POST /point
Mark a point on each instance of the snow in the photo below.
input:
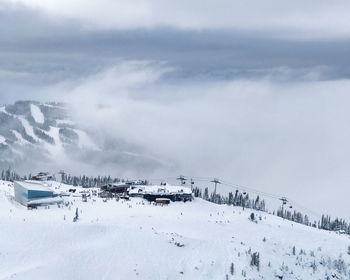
(66, 121)
(20, 139)
(34, 185)
(138, 240)
(55, 149)
(3, 109)
(159, 189)
(2, 139)
(37, 115)
(42, 201)
(28, 128)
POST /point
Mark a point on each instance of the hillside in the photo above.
(136, 240)
(34, 132)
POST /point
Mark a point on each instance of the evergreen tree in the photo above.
(255, 260)
(232, 269)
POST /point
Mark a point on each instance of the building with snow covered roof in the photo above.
(116, 187)
(153, 192)
(31, 193)
(43, 176)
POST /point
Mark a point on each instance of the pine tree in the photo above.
(232, 269)
(206, 194)
(76, 215)
(255, 261)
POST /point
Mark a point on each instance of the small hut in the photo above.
(162, 201)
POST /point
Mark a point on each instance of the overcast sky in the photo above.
(256, 92)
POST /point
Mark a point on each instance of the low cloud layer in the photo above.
(281, 137)
(254, 92)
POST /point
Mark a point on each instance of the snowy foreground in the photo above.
(136, 240)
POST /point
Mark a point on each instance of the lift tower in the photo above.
(182, 179)
(215, 181)
(284, 202)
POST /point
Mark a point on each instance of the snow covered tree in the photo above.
(255, 260)
(206, 194)
(8, 175)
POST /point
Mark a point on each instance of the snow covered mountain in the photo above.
(138, 240)
(33, 129)
(33, 133)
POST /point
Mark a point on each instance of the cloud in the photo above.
(281, 137)
(49, 49)
(293, 20)
(254, 91)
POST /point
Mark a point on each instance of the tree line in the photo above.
(88, 181)
(236, 199)
(241, 199)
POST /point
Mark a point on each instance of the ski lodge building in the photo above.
(34, 194)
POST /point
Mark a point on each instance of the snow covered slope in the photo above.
(30, 130)
(37, 114)
(33, 132)
(137, 240)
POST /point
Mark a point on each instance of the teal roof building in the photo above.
(27, 193)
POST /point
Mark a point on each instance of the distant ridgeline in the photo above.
(237, 199)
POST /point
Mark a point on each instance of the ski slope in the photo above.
(137, 240)
(37, 115)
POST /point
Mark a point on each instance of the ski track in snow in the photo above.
(37, 115)
(69, 122)
(20, 139)
(136, 240)
(28, 128)
(55, 149)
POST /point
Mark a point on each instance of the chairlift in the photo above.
(244, 193)
(290, 206)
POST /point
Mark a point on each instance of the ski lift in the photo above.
(290, 206)
(244, 193)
